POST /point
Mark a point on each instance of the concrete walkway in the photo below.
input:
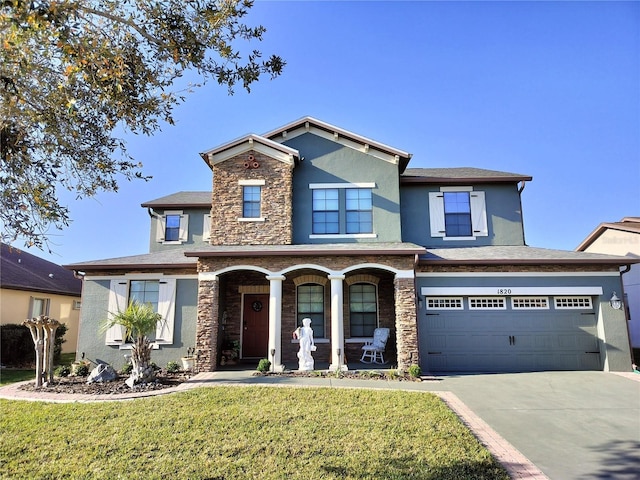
(557, 425)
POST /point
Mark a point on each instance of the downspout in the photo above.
(626, 319)
(520, 190)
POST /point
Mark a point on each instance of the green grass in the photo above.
(8, 376)
(244, 432)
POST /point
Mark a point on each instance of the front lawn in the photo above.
(8, 376)
(244, 432)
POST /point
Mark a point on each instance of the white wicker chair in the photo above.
(372, 352)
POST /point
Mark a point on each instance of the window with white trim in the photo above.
(160, 293)
(444, 303)
(458, 213)
(573, 302)
(310, 304)
(326, 211)
(38, 306)
(487, 303)
(342, 210)
(251, 196)
(359, 210)
(363, 309)
(173, 227)
(529, 303)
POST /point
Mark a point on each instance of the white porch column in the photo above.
(275, 322)
(337, 324)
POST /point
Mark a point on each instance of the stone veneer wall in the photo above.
(207, 329)
(276, 202)
(406, 323)
(396, 305)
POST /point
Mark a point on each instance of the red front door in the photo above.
(255, 328)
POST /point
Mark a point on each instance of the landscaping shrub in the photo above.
(264, 365)
(62, 371)
(17, 349)
(415, 371)
(80, 369)
(173, 367)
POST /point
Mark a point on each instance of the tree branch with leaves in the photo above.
(73, 73)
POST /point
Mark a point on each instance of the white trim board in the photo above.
(516, 274)
(507, 290)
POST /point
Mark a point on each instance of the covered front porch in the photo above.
(248, 310)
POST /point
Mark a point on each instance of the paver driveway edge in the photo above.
(517, 465)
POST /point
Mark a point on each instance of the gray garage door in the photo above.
(493, 335)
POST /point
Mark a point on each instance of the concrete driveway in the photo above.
(571, 425)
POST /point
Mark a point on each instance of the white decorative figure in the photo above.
(305, 335)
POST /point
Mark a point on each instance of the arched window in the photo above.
(363, 309)
(310, 304)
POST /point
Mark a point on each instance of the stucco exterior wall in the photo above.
(328, 162)
(91, 341)
(14, 308)
(504, 216)
(196, 228)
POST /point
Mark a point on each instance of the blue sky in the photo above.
(548, 89)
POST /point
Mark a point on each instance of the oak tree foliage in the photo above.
(75, 75)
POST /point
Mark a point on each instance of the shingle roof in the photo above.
(627, 224)
(455, 175)
(181, 199)
(171, 258)
(20, 270)
(519, 255)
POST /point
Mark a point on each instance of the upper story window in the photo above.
(458, 213)
(359, 210)
(251, 201)
(173, 227)
(326, 211)
(342, 210)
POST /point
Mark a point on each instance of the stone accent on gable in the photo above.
(276, 201)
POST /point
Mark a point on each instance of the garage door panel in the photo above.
(509, 340)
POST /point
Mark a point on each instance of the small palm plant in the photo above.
(138, 320)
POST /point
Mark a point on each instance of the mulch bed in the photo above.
(79, 385)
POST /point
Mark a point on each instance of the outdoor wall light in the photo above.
(615, 302)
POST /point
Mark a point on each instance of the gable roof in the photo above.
(459, 174)
(182, 199)
(250, 142)
(20, 270)
(344, 137)
(627, 224)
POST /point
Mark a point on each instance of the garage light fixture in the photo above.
(615, 302)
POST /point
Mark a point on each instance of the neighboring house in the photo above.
(621, 238)
(310, 220)
(31, 286)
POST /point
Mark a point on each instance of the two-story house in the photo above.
(311, 220)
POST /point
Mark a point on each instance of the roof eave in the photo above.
(458, 180)
(530, 261)
(303, 253)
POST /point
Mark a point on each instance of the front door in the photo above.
(255, 328)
